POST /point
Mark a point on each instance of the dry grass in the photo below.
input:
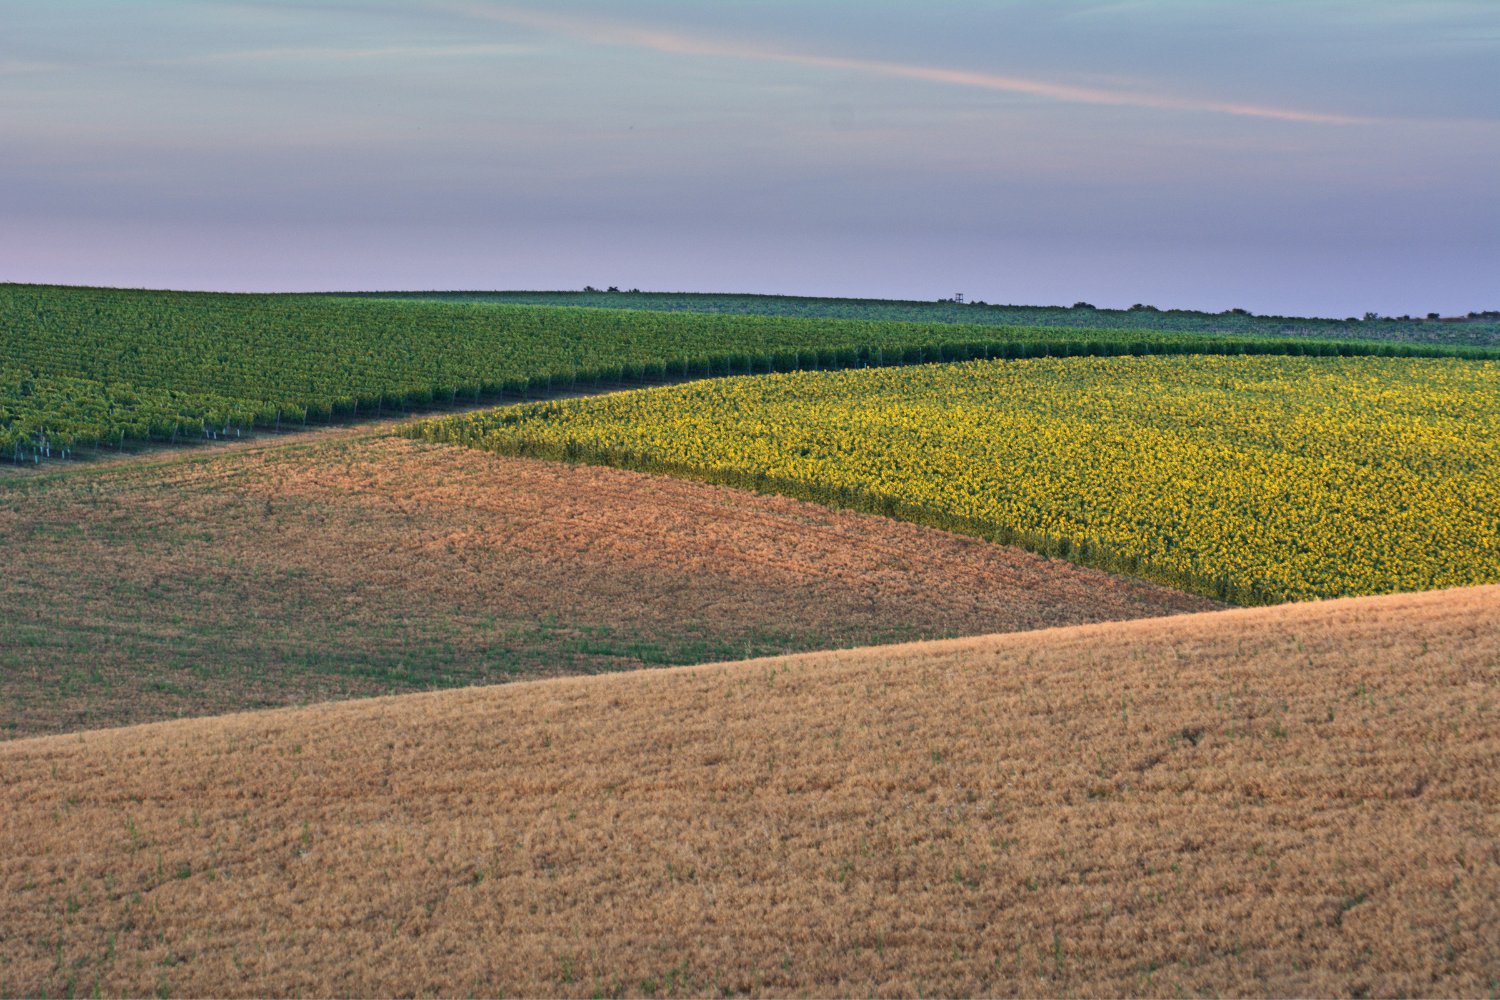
(1299, 800)
(346, 564)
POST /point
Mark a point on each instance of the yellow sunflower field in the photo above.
(1258, 479)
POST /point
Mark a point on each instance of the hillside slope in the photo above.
(1299, 800)
(332, 566)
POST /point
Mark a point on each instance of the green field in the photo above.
(82, 368)
(1475, 330)
(1248, 479)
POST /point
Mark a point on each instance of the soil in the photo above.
(1291, 801)
(346, 563)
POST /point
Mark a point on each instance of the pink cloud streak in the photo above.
(605, 33)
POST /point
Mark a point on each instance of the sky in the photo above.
(1295, 158)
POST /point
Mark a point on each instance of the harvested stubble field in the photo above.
(352, 564)
(1298, 800)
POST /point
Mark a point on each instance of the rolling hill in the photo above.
(1296, 800)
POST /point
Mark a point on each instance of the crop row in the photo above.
(55, 417)
(1254, 480)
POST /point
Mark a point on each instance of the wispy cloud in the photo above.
(608, 33)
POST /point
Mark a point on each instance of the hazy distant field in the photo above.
(1293, 801)
(1474, 331)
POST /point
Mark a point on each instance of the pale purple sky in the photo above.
(1286, 157)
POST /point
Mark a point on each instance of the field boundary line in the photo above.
(1087, 552)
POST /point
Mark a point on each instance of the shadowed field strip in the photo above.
(1299, 800)
(268, 575)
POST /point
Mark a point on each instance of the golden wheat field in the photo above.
(1257, 479)
(1298, 800)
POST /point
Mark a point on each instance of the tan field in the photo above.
(1300, 800)
(344, 563)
